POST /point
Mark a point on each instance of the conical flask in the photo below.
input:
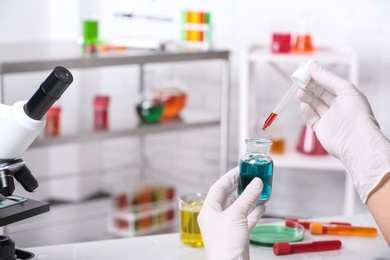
(308, 142)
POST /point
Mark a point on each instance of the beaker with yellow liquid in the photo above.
(189, 208)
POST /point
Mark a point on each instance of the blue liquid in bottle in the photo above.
(257, 163)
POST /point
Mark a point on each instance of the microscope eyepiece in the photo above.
(48, 92)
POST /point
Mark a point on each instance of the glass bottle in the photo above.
(257, 163)
(100, 105)
(52, 127)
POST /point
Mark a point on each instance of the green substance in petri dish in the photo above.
(267, 235)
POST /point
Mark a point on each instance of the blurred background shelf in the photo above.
(16, 58)
(296, 160)
(84, 148)
(22, 58)
(188, 120)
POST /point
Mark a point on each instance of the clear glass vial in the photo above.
(257, 163)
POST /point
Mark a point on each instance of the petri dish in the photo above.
(268, 234)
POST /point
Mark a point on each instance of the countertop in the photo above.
(168, 246)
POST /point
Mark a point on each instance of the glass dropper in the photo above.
(300, 78)
(280, 106)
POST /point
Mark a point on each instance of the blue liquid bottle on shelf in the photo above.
(257, 163)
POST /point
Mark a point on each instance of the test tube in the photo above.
(306, 224)
(285, 248)
(300, 78)
(319, 229)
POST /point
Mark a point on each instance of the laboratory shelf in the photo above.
(323, 55)
(17, 58)
(296, 160)
(26, 58)
(41, 56)
(189, 120)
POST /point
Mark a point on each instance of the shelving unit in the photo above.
(25, 58)
(247, 101)
(22, 58)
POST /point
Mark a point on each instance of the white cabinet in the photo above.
(247, 104)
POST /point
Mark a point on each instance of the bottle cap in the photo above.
(53, 110)
(316, 228)
(282, 248)
(301, 76)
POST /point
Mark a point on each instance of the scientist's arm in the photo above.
(344, 123)
(226, 220)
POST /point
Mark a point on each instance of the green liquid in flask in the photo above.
(256, 166)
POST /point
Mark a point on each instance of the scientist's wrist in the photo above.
(381, 182)
(370, 165)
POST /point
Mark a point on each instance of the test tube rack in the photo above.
(196, 29)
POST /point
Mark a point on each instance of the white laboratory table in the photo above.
(168, 246)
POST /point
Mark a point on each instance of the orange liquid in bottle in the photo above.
(277, 146)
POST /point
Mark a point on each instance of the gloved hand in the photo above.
(226, 220)
(345, 125)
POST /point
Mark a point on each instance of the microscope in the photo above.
(20, 124)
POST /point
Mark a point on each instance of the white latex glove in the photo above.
(227, 219)
(345, 125)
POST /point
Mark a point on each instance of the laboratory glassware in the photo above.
(303, 41)
(257, 163)
(285, 248)
(300, 78)
(343, 230)
(174, 100)
(281, 42)
(308, 142)
(100, 105)
(189, 209)
(150, 111)
(267, 234)
(91, 35)
(306, 224)
(52, 127)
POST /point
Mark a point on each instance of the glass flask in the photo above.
(257, 163)
(308, 142)
(150, 111)
(303, 40)
(174, 100)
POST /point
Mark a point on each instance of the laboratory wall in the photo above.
(67, 172)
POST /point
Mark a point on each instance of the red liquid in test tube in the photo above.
(284, 248)
(289, 222)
